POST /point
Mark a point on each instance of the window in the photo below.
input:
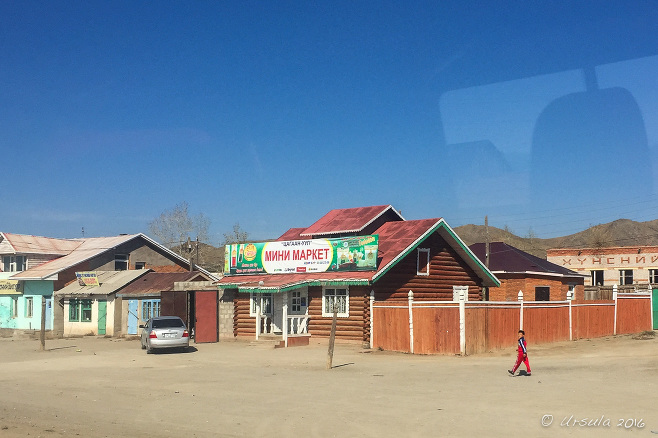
(140, 265)
(14, 263)
(597, 278)
(571, 293)
(150, 309)
(29, 307)
(298, 301)
(653, 276)
(74, 310)
(423, 261)
(542, 293)
(265, 302)
(338, 298)
(456, 291)
(625, 276)
(14, 307)
(79, 310)
(121, 262)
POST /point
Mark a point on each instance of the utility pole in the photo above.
(42, 333)
(486, 245)
(189, 253)
(487, 250)
(332, 338)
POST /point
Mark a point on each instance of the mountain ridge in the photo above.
(621, 232)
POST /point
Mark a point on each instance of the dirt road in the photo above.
(98, 387)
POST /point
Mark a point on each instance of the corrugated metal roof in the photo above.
(506, 258)
(293, 234)
(396, 240)
(346, 220)
(88, 249)
(110, 282)
(27, 244)
(153, 283)
(283, 282)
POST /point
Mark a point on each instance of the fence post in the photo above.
(651, 305)
(570, 298)
(462, 323)
(257, 316)
(614, 297)
(411, 322)
(520, 299)
(372, 305)
(285, 324)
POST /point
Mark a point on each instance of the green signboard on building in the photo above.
(357, 253)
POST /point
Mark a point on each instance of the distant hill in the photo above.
(622, 232)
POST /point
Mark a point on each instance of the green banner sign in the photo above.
(299, 256)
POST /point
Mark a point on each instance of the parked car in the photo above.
(164, 332)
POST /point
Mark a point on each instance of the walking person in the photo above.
(522, 355)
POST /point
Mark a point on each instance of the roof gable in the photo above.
(348, 220)
(398, 239)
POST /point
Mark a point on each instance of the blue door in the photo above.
(49, 313)
(132, 317)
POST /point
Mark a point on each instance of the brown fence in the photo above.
(593, 318)
(490, 326)
(632, 316)
(436, 328)
(390, 327)
(475, 327)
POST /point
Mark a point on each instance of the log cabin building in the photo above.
(424, 256)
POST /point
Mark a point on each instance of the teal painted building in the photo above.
(22, 310)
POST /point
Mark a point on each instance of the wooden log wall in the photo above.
(592, 318)
(447, 269)
(243, 324)
(353, 327)
(633, 315)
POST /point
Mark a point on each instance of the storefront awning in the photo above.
(287, 282)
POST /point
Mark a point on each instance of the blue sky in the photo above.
(541, 115)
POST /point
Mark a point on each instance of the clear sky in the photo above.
(541, 115)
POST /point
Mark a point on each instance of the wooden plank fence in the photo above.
(463, 327)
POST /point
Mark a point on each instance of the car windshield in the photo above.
(167, 323)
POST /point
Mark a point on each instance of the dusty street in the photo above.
(98, 387)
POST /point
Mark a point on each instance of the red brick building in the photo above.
(539, 279)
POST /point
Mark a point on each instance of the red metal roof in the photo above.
(293, 234)
(394, 239)
(346, 220)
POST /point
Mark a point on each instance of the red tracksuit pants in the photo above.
(520, 359)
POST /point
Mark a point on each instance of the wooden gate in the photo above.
(205, 327)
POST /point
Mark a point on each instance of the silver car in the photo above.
(164, 332)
